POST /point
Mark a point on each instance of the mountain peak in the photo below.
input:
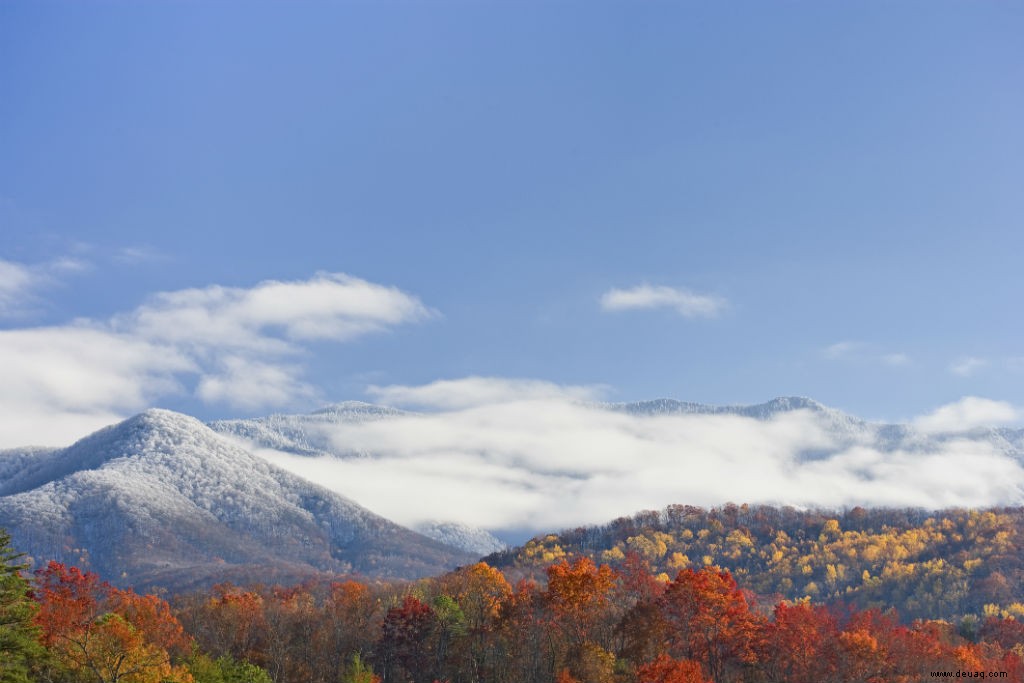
(783, 403)
(355, 408)
(162, 495)
(160, 418)
(670, 406)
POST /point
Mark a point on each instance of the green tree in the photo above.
(19, 636)
(358, 672)
(224, 669)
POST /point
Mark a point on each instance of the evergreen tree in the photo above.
(19, 636)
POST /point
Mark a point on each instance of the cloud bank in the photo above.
(970, 412)
(684, 302)
(515, 454)
(237, 346)
(474, 391)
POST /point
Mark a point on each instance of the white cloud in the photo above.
(20, 283)
(841, 349)
(504, 453)
(332, 307)
(16, 282)
(60, 383)
(77, 366)
(251, 384)
(136, 255)
(967, 413)
(864, 353)
(471, 391)
(686, 303)
(66, 265)
(238, 345)
(965, 367)
(895, 359)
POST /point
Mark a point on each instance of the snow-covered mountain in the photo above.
(469, 538)
(845, 430)
(311, 434)
(162, 499)
(306, 434)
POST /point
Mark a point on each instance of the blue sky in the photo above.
(716, 202)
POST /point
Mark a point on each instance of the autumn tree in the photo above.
(1008, 633)
(665, 669)
(579, 599)
(349, 624)
(710, 622)
(405, 642)
(104, 634)
(579, 596)
(293, 629)
(477, 593)
(231, 621)
(860, 654)
(524, 636)
(798, 644)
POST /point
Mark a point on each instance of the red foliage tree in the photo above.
(798, 644)
(405, 640)
(104, 634)
(1005, 632)
(710, 622)
(664, 669)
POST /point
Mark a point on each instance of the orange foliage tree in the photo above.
(579, 596)
(104, 634)
(799, 645)
(665, 669)
(710, 621)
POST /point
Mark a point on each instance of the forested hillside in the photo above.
(585, 623)
(582, 623)
(925, 564)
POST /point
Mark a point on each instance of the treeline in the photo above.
(925, 564)
(68, 626)
(586, 623)
(633, 619)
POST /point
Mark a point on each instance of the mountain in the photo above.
(311, 434)
(162, 499)
(306, 434)
(846, 430)
(469, 538)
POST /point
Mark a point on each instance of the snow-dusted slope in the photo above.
(845, 430)
(162, 497)
(312, 435)
(471, 539)
(760, 411)
(308, 434)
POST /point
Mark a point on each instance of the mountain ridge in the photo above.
(161, 490)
